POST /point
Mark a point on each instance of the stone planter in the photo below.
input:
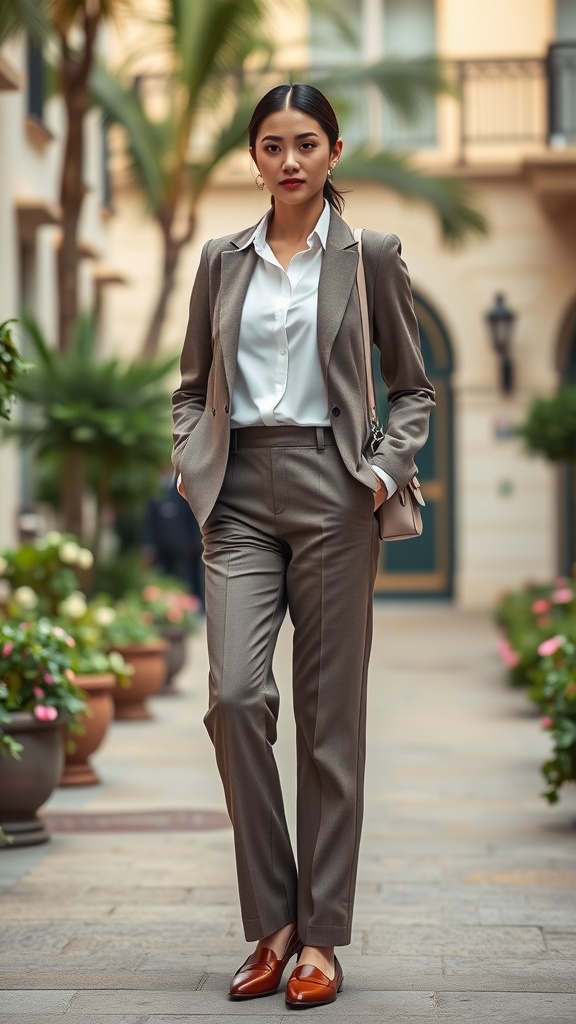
(94, 722)
(176, 651)
(26, 784)
(148, 661)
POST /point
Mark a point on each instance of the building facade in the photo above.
(494, 517)
(32, 131)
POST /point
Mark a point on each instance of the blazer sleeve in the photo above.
(189, 399)
(410, 393)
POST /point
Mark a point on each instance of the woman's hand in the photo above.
(380, 494)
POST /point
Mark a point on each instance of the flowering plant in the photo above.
(554, 689)
(167, 606)
(36, 675)
(128, 624)
(530, 616)
(37, 577)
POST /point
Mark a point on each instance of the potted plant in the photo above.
(133, 635)
(37, 576)
(174, 614)
(38, 695)
(554, 688)
(97, 674)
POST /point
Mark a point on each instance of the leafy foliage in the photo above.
(37, 675)
(113, 415)
(550, 426)
(539, 649)
(11, 369)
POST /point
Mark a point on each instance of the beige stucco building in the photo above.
(494, 517)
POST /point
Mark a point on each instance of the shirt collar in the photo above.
(258, 236)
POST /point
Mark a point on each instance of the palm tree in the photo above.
(73, 25)
(96, 418)
(211, 99)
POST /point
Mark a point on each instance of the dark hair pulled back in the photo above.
(308, 100)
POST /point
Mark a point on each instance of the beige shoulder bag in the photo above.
(399, 517)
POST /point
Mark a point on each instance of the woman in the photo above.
(271, 430)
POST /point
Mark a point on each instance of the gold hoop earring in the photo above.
(259, 184)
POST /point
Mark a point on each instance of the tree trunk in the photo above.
(75, 70)
(72, 476)
(171, 255)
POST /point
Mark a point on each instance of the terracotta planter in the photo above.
(176, 638)
(26, 784)
(149, 665)
(77, 770)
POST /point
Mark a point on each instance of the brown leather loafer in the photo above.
(262, 972)
(307, 986)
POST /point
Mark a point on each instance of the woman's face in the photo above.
(293, 155)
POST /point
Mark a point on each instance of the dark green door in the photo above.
(424, 567)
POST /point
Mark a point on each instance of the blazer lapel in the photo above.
(337, 279)
(237, 267)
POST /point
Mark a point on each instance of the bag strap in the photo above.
(365, 320)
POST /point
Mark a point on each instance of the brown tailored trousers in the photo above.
(292, 529)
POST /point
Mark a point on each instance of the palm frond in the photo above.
(407, 84)
(23, 16)
(148, 141)
(448, 198)
(213, 39)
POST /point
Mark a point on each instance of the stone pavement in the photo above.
(466, 908)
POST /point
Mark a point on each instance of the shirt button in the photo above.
(213, 412)
(282, 351)
(225, 408)
(335, 411)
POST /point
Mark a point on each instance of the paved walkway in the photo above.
(466, 907)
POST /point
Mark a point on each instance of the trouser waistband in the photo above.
(281, 437)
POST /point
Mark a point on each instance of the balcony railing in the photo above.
(505, 105)
(518, 100)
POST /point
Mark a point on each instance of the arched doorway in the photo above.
(566, 366)
(425, 567)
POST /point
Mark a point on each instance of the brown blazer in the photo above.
(202, 403)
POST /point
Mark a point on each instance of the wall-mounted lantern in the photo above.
(501, 321)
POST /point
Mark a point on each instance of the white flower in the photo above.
(53, 537)
(5, 590)
(104, 616)
(74, 606)
(68, 552)
(85, 559)
(3, 565)
(26, 597)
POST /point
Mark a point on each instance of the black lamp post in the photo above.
(501, 321)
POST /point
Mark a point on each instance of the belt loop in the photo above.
(320, 439)
(234, 440)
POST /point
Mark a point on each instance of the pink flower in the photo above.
(38, 692)
(562, 581)
(45, 714)
(175, 614)
(48, 678)
(70, 641)
(7, 650)
(550, 646)
(563, 596)
(151, 593)
(547, 722)
(70, 675)
(541, 606)
(510, 658)
(58, 631)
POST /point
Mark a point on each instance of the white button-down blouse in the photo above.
(278, 374)
(279, 378)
